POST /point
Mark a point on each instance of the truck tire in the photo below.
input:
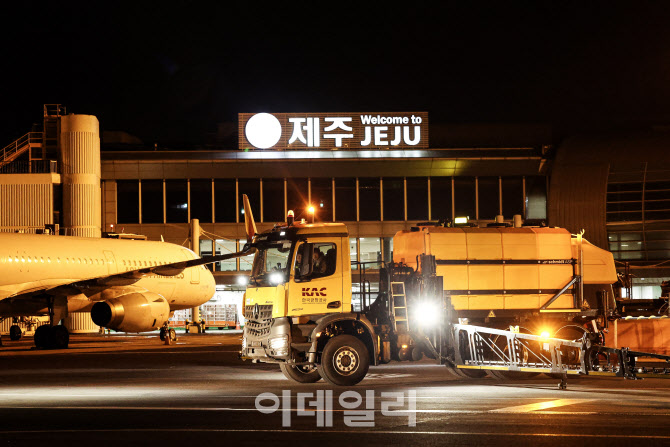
(300, 373)
(345, 361)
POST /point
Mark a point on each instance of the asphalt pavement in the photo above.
(134, 390)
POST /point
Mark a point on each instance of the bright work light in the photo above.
(427, 314)
(276, 278)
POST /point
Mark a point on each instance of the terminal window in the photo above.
(201, 200)
(297, 197)
(152, 201)
(273, 200)
(345, 199)
(224, 200)
(417, 198)
(369, 200)
(440, 198)
(127, 201)
(394, 198)
(489, 197)
(465, 197)
(252, 188)
(176, 201)
(512, 196)
(322, 198)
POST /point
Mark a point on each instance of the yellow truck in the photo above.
(500, 299)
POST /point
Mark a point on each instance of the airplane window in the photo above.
(29, 259)
(42, 260)
(23, 259)
(78, 260)
(9, 259)
(145, 263)
(49, 260)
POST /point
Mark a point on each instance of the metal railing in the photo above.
(30, 167)
(365, 284)
(54, 110)
(20, 145)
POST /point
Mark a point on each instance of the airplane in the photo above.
(127, 285)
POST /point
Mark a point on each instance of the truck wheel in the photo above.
(300, 373)
(344, 361)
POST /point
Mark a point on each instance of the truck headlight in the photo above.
(428, 314)
(276, 278)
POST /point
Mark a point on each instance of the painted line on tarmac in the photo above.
(347, 432)
(293, 410)
(546, 405)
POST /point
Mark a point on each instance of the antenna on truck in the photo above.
(249, 224)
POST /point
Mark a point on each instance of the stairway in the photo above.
(22, 145)
(39, 146)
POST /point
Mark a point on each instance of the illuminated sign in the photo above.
(333, 131)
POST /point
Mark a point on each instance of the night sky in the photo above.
(174, 75)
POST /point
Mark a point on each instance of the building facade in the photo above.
(615, 187)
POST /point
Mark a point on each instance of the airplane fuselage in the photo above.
(39, 264)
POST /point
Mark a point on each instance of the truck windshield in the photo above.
(271, 264)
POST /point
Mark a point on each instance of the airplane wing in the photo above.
(176, 267)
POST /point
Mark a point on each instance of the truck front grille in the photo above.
(258, 312)
(258, 320)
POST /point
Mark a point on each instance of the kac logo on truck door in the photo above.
(313, 291)
(313, 295)
(333, 131)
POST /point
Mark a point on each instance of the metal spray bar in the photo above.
(502, 350)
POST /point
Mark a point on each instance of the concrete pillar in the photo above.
(80, 170)
(195, 246)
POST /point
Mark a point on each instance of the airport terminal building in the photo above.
(377, 172)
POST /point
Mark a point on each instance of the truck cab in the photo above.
(298, 300)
